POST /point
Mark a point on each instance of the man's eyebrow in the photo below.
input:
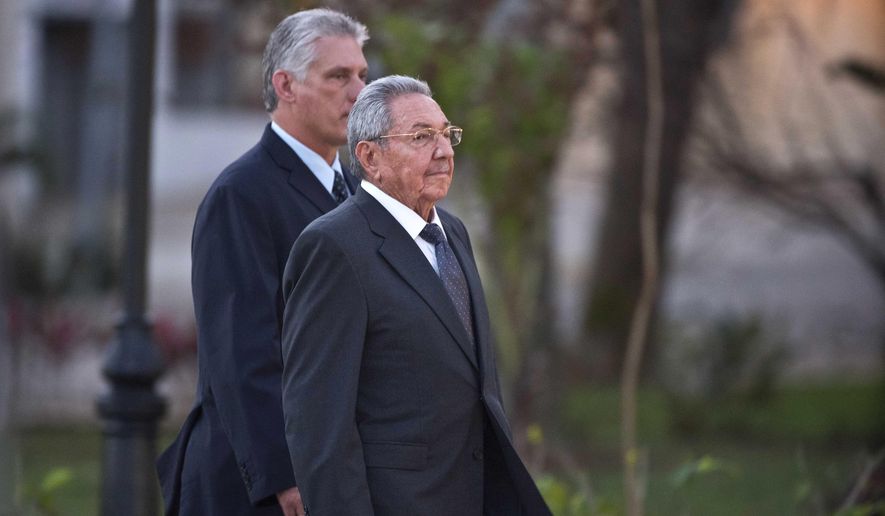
(337, 69)
(424, 125)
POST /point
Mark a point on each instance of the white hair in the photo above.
(292, 45)
(370, 115)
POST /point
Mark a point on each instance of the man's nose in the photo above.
(354, 88)
(443, 148)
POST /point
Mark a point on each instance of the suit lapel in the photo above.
(300, 177)
(409, 262)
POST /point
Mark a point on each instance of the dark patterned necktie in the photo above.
(339, 190)
(451, 275)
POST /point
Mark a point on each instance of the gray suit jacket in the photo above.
(388, 408)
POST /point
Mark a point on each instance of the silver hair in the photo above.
(292, 45)
(370, 115)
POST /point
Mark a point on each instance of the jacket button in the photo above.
(477, 453)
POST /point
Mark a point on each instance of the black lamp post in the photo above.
(131, 409)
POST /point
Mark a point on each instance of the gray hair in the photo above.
(370, 115)
(292, 45)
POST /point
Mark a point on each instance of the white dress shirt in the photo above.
(322, 170)
(408, 219)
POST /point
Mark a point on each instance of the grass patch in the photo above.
(796, 453)
(59, 469)
(819, 415)
(46, 451)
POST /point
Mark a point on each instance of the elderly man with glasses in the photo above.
(390, 391)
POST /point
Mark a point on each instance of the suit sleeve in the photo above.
(235, 283)
(324, 330)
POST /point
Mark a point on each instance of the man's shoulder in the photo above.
(246, 169)
(345, 220)
(339, 233)
(252, 175)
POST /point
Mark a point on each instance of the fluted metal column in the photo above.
(131, 409)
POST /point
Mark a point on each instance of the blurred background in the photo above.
(751, 131)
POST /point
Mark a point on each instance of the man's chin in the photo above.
(435, 194)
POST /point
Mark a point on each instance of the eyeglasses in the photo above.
(424, 136)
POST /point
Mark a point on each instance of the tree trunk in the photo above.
(690, 30)
(7, 378)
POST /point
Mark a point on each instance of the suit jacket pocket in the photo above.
(392, 455)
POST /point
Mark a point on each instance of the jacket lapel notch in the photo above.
(300, 177)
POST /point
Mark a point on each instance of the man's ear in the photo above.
(284, 86)
(367, 154)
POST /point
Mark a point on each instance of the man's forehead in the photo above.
(417, 110)
(338, 52)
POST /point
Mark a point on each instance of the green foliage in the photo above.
(734, 355)
(591, 415)
(564, 500)
(799, 452)
(737, 477)
(611, 305)
(42, 498)
(512, 99)
(60, 464)
(868, 509)
(835, 413)
(733, 361)
(694, 470)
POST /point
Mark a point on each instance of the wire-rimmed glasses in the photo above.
(424, 136)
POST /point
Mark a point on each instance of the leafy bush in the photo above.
(41, 499)
(564, 500)
(736, 360)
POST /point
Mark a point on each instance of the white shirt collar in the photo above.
(315, 162)
(408, 219)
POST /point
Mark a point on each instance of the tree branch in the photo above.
(638, 335)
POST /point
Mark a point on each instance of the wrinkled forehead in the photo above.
(415, 111)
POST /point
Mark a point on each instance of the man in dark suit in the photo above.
(230, 457)
(390, 391)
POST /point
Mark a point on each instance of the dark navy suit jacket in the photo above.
(389, 408)
(230, 457)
